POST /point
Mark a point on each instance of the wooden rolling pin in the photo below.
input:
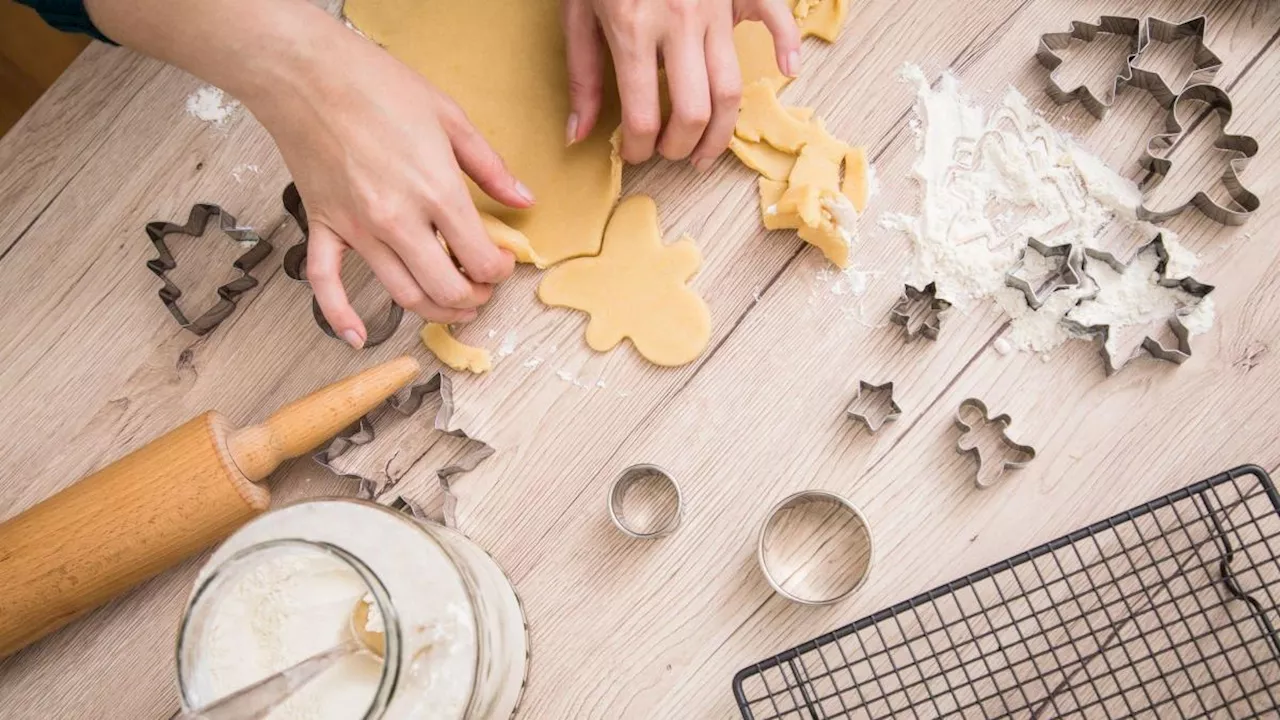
(161, 504)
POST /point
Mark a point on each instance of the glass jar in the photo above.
(286, 586)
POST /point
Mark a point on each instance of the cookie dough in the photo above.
(763, 157)
(504, 63)
(460, 357)
(756, 56)
(511, 240)
(762, 118)
(636, 289)
(821, 18)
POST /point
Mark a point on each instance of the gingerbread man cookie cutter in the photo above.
(972, 413)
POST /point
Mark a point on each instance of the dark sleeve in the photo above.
(67, 15)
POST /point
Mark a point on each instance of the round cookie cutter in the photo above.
(815, 548)
(663, 501)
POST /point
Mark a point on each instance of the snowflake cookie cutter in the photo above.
(1245, 146)
(873, 420)
(1205, 63)
(1067, 271)
(400, 406)
(919, 311)
(972, 413)
(228, 294)
(1051, 44)
(295, 266)
(1180, 350)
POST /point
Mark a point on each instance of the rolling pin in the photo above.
(162, 503)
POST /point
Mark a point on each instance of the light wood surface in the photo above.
(94, 366)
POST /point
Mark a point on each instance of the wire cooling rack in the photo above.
(1168, 610)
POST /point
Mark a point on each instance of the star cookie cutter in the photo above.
(1067, 273)
(1243, 145)
(1180, 351)
(873, 420)
(926, 322)
(972, 413)
(197, 221)
(1051, 44)
(400, 406)
(295, 266)
(1205, 63)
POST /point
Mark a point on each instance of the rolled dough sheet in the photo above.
(461, 357)
(636, 288)
(503, 61)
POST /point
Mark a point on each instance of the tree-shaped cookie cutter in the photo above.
(873, 421)
(1205, 64)
(1067, 273)
(1244, 146)
(1051, 44)
(1180, 351)
(402, 405)
(929, 322)
(972, 413)
(295, 266)
(197, 221)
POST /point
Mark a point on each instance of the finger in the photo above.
(725, 80)
(637, 71)
(585, 54)
(690, 94)
(458, 221)
(324, 273)
(433, 269)
(478, 159)
(404, 288)
(782, 26)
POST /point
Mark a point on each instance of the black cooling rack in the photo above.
(1169, 610)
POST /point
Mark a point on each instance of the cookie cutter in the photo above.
(873, 421)
(967, 422)
(1205, 63)
(667, 492)
(197, 221)
(796, 541)
(930, 321)
(1180, 351)
(1067, 273)
(404, 404)
(295, 266)
(1051, 44)
(1243, 145)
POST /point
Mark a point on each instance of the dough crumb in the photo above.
(531, 363)
(461, 357)
(1003, 346)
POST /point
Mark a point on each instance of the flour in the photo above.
(989, 183)
(211, 105)
(531, 363)
(508, 345)
(244, 170)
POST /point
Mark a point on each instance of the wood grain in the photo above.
(622, 628)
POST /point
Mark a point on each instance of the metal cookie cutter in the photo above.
(1067, 272)
(972, 413)
(1243, 145)
(295, 266)
(665, 503)
(920, 311)
(1053, 43)
(815, 548)
(1205, 63)
(197, 220)
(873, 420)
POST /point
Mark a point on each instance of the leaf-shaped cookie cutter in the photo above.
(197, 221)
(295, 266)
(1023, 453)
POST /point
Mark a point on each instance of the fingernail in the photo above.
(571, 130)
(793, 63)
(353, 338)
(703, 164)
(523, 191)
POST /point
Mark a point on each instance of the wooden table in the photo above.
(93, 366)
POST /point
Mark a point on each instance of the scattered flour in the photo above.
(531, 363)
(491, 333)
(508, 345)
(565, 375)
(211, 105)
(243, 170)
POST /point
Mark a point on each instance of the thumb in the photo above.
(781, 24)
(586, 69)
(324, 265)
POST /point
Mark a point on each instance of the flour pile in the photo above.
(211, 105)
(991, 182)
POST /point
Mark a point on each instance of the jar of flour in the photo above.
(285, 587)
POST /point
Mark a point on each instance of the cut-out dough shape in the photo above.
(505, 65)
(451, 352)
(636, 288)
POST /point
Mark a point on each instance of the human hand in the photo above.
(694, 41)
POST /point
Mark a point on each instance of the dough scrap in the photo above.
(855, 185)
(451, 352)
(774, 218)
(756, 56)
(512, 240)
(504, 63)
(636, 289)
(763, 157)
(821, 18)
(762, 118)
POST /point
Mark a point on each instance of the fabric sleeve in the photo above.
(68, 16)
